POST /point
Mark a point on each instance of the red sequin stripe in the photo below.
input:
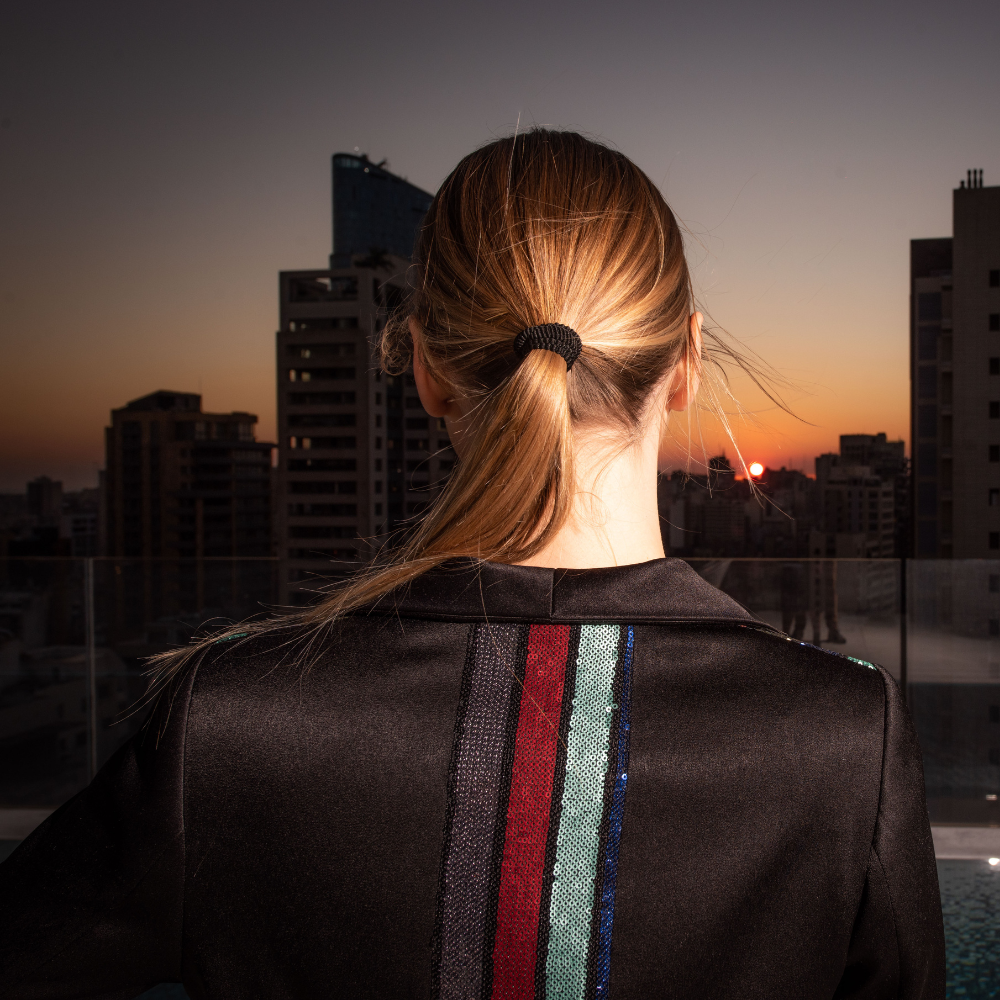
(522, 869)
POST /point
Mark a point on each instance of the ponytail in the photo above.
(542, 228)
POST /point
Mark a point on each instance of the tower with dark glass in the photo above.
(358, 456)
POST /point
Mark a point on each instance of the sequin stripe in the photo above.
(523, 866)
(558, 784)
(578, 842)
(474, 809)
(606, 915)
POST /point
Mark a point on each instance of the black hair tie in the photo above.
(555, 337)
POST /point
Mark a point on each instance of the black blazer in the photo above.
(508, 782)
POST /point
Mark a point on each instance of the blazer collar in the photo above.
(662, 590)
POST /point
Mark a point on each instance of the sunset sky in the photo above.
(160, 163)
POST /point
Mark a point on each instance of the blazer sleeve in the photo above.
(91, 903)
(897, 946)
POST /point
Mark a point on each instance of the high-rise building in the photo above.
(887, 460)
(374, 212)
(186, 484)
(187, 498)
(855, 509)
(358, 456)
(955, 381)
(45, 498)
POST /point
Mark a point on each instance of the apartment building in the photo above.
(955, 380)
(184, 484)
(187, 502)
(358, 456)
(855, 510)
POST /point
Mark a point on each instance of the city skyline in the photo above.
(159, 170)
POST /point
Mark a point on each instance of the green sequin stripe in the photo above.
(581, 811)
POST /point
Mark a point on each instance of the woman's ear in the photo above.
(686, 377)
(433, 396)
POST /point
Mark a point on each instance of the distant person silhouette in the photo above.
(794, 603)
(823, 600)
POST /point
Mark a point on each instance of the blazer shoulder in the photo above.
(765, 665)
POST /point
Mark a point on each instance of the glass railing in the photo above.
(75, 636)
(933, 624)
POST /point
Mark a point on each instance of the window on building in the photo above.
(322, 464)
(322, 374)
(322, 289)
(929, 307)
(995, 366)
(946, 518)
(995, 452)
(927, 459)
(994, 410)
(995, 712)
(927, 381)
(994, 751)
(926, 421)
(322, 420)
(994, 322)
(326, 531)
(927, 343)
(994, 279)
(994, 496)
(320, 398)
(995, 539)
(320, 350)
(995, 583)
(926, 538)
(926, 499)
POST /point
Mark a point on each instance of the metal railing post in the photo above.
(88, 586)
(902, 627)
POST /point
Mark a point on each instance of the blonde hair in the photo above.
(542, 227)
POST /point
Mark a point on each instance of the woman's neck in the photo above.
(614, 520)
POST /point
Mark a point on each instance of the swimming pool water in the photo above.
(970, 901)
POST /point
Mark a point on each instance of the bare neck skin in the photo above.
(614, 520)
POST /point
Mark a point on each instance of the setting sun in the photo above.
(756, 469)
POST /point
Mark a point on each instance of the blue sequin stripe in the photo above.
(607, 912)
(578, 841)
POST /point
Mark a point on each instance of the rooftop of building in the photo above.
(167, 401)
